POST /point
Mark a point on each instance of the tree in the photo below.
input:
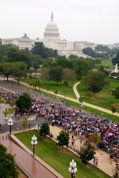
(63, 139)
(116, 92)
(7, 164)
(56, 73)
(44, 130)
(69, 74)
(6, 68)
(89, 51)
(115, 60)
(94, 139)
(19, 70)
(86, 153)
(41, 50)
(24, 102)
(25, 123)
(113, 109)
(82, 66)
(34, 82)
(94, 81)
(102, 48)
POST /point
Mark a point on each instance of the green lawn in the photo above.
(103, 98)
(107, 63)
(58, 158)
(59, 87)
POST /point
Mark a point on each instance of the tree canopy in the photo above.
(63, 139)
(41, 50)
(7, 164)
(116, 92)
(56, 73)
(24, 102)
(115, 60)
(94, 81)
(82, 66)
(86, 153)
(44, 130)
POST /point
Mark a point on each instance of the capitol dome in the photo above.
(51, 30)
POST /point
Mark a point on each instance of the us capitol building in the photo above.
(52, 40)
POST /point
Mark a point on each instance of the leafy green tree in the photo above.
(69, 74)
(64, 62)
(115, 60)
(25, 123)
(82, 66)
(94, 81)
(34, 82)
(89, 51)
(102, 48)
(19, 70)
(7, 164)
(15, 54)
(113, 109)
(94, 139)
(63, 139)
(41, 50)
(56, 73)
(24, 102)
(44, 73)
(44, 130)
(116, 92)
(6, 69)
(87, 153)
(35, 60)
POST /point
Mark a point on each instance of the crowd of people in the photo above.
(80, 122)
(76, 121)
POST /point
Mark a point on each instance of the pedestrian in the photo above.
(96, 161)
(111, 159)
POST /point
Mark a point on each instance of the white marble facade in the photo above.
(52, 40)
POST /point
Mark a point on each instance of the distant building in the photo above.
(51, 39)
(23, 43)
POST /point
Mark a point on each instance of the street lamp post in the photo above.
(10, 123)
(72, 168)
(34, 142)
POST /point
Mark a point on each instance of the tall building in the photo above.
(51, 39)
(23, 42)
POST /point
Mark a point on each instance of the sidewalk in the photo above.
(29, 164)
(91, 105)
(103, 157)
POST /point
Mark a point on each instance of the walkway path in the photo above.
(76, 91)
(91, 105)
(103, 157)
(24, 160)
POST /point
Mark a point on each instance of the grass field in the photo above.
(58, 158)
(103, 98)
(107, 63)
(59, 87)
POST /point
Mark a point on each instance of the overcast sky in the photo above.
(77, 20)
